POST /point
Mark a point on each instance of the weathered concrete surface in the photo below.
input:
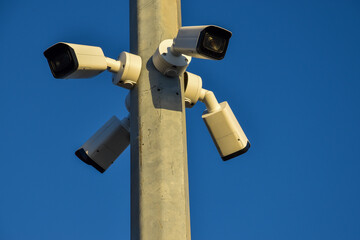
(159, 172)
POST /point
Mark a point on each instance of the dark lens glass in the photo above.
(61, 61)
(214, 43)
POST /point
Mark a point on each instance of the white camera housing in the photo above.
(129, 72)
(207, 42)
(226, 132)
(68, 60)
(102, 149)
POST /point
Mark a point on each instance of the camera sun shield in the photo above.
(213, 42)
(62, 60)
(68, 60)
(207, 42)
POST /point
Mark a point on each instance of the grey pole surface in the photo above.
(159, 172)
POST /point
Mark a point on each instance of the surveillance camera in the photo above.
(102, 149)
(225, 130)
(172, 57)
(68, 60)
(221, 122)
(208, 42)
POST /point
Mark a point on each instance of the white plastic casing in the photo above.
(167, 63)
(91, 60)
(226, 132)
(188, 40)
(193, 86)
(129, 72)
(102, 149)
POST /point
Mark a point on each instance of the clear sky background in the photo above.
(291, 76)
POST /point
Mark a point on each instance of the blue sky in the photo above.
(291, 76)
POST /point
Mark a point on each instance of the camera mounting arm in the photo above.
(210, 101)
(112, 65)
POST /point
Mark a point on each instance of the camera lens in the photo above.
(61, 62)
(214, 43)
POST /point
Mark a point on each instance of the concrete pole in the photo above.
(159, 173)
